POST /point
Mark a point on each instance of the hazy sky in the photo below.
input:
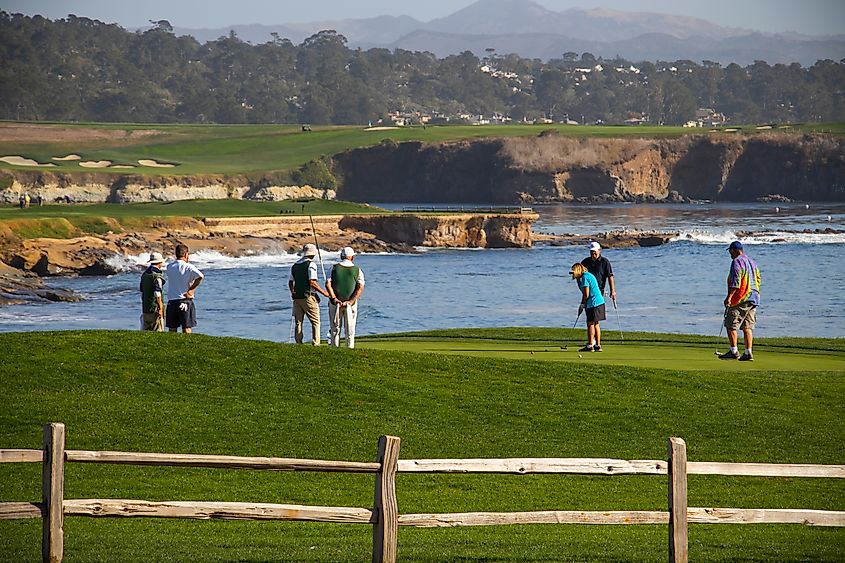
(814, 17)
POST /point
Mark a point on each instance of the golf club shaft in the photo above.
(618, 322)
(317, 244)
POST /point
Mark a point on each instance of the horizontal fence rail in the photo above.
(384, 517)
(196, 510)
(525, 466)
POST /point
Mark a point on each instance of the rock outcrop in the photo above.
(236, 236)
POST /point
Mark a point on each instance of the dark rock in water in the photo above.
(99, 268)
(17, 287)
(59, 295)
(652, 241)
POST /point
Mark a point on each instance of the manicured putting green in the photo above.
(666, 354)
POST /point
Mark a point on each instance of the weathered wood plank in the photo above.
(15, 455)
(537, 517)
(678, 528)
(524, 466)
(19, 510)
(765, 469)
(220, 461)
(52, 493)
(386, 529)
(197, 510)
(700, 515)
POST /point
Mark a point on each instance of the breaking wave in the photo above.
(767, 237)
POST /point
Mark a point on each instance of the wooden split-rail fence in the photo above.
(384, 517)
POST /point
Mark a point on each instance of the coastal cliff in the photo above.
(551, 168)
(514, 170)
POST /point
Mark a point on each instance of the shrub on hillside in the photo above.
(317, 174)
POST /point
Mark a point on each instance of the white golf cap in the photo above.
(156, 258)
(594, 246)
(347, 252)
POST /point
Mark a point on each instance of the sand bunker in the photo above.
(155, 163)
(21, 161)
(121, 166)
(95, 163)
(379, 128)
(68, 157)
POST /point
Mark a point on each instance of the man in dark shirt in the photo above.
(600, 267)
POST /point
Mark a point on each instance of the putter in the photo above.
(724, 316)
(621, 336)
(576, 319)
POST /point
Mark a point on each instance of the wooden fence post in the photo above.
(678, 541)
(53, 493)
(386, 527)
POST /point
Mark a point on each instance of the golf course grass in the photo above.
(447, 394)
(255, 149)
(68, 221)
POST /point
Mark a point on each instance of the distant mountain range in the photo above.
(532, 31)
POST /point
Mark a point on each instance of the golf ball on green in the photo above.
(580, 356)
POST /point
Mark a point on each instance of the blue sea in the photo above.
(677, 287)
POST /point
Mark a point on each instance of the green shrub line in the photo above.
(134, 391)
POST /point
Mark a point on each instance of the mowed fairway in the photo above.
(485, 397)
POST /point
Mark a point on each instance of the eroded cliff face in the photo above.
(130, 188)
(551, 168)
(459, 230)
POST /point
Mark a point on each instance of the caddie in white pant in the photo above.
(345, 286)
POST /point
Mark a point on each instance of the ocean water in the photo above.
(677, 287)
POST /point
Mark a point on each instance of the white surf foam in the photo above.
(770, 237)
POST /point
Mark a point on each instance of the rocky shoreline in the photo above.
(23, 267)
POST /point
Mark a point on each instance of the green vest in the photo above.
(149, 302)
(344, 281)
(301, 283)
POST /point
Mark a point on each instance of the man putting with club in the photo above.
(741, 302)
(592, 303)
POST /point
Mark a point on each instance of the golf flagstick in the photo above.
(622, 336)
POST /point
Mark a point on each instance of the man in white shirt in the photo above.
(182, 279)
(345, 287)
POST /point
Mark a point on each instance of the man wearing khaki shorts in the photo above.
(741, 302)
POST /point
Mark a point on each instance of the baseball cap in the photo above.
(594, 246)
(156, 258)
(309, 250)
(347, 252)
(735, 245)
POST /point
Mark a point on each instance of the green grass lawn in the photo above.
(252, 149)
(189, 208)
(170, 393)
(68, 221)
